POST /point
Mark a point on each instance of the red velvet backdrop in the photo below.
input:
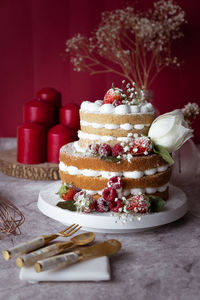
(33, 35)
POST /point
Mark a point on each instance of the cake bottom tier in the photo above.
(155, 184)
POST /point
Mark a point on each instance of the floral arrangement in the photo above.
(134, 45)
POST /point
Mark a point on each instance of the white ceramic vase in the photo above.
(186, 164)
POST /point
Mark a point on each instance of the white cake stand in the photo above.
(175, 208)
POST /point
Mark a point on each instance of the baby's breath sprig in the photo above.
(134, 45)
(132, 95)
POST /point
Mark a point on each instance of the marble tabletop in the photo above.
(163, 263)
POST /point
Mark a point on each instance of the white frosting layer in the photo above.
(135, 191)
(124, 109)
(125, 126)
(105, 174)
(103, 138)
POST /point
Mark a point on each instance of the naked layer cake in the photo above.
(112, 165)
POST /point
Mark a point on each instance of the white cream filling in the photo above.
(125, 126)
(103, 138)
(135, 191)
(105, 174)
(97, 107)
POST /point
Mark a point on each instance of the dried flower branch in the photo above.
(136, 46)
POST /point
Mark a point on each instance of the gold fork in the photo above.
(39, 242)
(65, 232)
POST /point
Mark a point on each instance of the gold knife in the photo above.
(100, 249)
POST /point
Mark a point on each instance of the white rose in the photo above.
(170, 130)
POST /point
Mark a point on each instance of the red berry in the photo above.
(101, 205)
(105, 150)
(69, 194)
(139, 204)
(116, 206)
(141, 145)
(109, 194)
(115, 182)
(111, 95)
(94, 148)
(117, 150)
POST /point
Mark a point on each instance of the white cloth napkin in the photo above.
(97, 269)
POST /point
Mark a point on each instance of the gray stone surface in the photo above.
(163, 263)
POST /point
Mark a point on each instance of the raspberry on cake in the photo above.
(115, 182)
(102, 205)
(116, 206)
(105, 150)
(109, 194)
(117, 150)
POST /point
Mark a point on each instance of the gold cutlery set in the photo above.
(37, 252)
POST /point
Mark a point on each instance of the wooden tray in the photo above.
(10, 167)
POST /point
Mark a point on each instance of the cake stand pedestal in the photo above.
(175, 208)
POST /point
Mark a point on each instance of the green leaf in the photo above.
(163, 153)
(67, 205)
(110, 158)
(62, 190)
(157, 203)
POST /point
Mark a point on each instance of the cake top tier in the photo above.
(127, 100)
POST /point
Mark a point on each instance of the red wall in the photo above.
(33, 34)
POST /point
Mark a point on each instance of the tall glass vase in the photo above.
(186, 164)
(149, 96)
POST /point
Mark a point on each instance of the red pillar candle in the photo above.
(31, 143)
(52, 96)
(69, 115)
(40, 112)
(58, 136)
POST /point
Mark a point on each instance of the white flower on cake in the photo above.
(170, 131)
(84, 202)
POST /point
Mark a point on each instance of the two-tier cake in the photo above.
(112, 166)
